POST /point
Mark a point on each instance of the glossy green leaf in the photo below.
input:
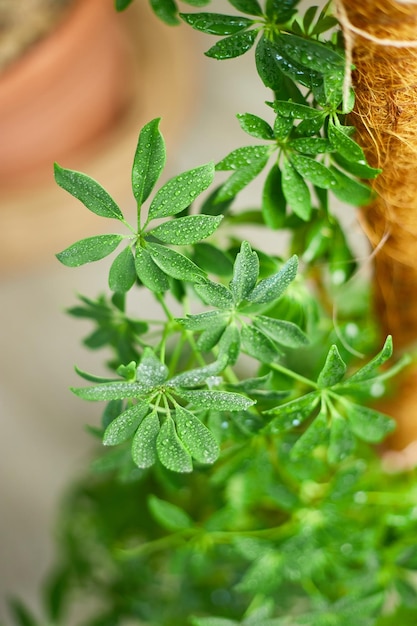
(171, 451)
(179, 192)
(291, 414)
(121, 5)
(283, 127)
(243, 157)
(149, 161)
(312, 54)
(350, 190)
(88, 191)
(187, 230)
(271, 288)
(369, 424)
(255, 126)
(280, 10)
(357, 169)
(296, 191)
(369, 370)
(346, 146)
(333, 370)
(251, 7)
(266, 65)
(229, 345)
(149, 272)
(233, 46)
(202, 320)
(245, 273)
(217, 24)
(258, 345)
(175, 264)
(217, 400)
(144, 442)
(342, 441)
(198, 376)
(296, 111)
(314, 171)
(211, 336)
(291, 67)
(151, 372)
(196, 436)
(123, 427)
(89, 250)
(166, 10)
(215, 294)
(315, 435)
(274, 203)
(240, 179)
(122, 275)
(168, 515)
(281, 331)
(212, 260)
(109, 391)
(311, 145)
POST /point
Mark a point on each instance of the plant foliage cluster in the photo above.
(241, 484)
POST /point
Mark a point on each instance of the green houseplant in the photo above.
(241, 482)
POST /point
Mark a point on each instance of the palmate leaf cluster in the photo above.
(240, 481)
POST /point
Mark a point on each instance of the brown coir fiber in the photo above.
(381, 41)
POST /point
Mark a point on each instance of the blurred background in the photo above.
(82, 105)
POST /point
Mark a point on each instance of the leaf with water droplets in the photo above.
(242, 157)
(144, 441)
(229, 345)
(311, 54)
(357, 169)
(217, 24)
(179, 192)
(89, 250)
(149, 273)
(295, 110)
(175, 264)
(197, 376)
(212, 260)
(240, 179)
(233, 46)
(333, 370)
(121, 428)
(280, 11)
(369, 370)
(311, 145)
(368, 424)
(218, 400)
(245, 272)
(168, 515)
(215, 294)
(296, 191)
(342, 441)
(346, 146)
(292, 413)
(171, 452)
(88, 191)
(200, 321)
(149, 161)
(266, 65)
(151, 372)
(251, 7)
(314, 171)
(274, 203)
(283, 332)
(350, 190)
(258, 345)
(255, 126)
(315, 435)
(186, 230)
(196, 436)
(109, 391)
(271, 288)
(122, 275)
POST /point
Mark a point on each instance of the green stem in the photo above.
(284, 370)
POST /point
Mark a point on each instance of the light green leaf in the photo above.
(333, 370)
(368, 424)
(273, 287)
(315, 435)
(196, 436)
(88, 191)
(217, 24)
(187, 230)
(171, 452)
(89, 250)
(295, 110)
(121, 428)
(211, 336)
(281, 331)
(357, 169)
(149, 161)
(291, 414)
(315, 172)
(179, 192)
(149, 272)
(218, 400)
(255, 126)
(296, 191)
(202, 320)
(151, 372)
(311, 145)
(233, 46)
(229, 345)
(346, 146)
(144, 441)
(242, 157)
(258, 345)
(175, 264)
(245, 273)
(213, 621)
(197, 376)
(215, 294)
(168, 515)
(369, 370)
(109, 391)
(240, 179)
(342, 441)
(122, 275)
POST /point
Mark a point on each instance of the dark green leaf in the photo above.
(292, 68)
(21, 614)
(273, 287)
(311, 145)
(315, 172)
(215, 294)
(168, 515)
(357, 169)
(258, 345)
(245, 273)
(211, 336)
(217, 400)
(233, 46)
(149, 272)
(255, 126)
(89, 250)
(308, 18)
(350, 190)
(408, 558)
(315, 435)
(166, 10)
(251, 7)
(216, 24)
(175, 264)
(179, 192)
(333, 370)
(196, 436)
(187, 230)
(213, 621)
(266, 65)
(212, 260)
(342, 442)
(121, 428)
(407, 592)
(291, 414)
(296, 111)
(273, 200)
(347, 147)
(144, 441)
(283, 332)
(121, 5)
(88, 191)
(122, 275)
(296, 191)
(197, 376)
(149, 161)
(368, 424)
(280, 10)
(283, 126)
(171, 452)
(311, 54)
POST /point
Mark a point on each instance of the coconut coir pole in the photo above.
(381, 42)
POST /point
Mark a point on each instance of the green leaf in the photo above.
(240, 179)
(273, 200)
(333, 370)
(89, 250)
(122, 275)
(215, 294)
(166, 10)
(342, 442)
(350, 190)
(296, 191)
(229, 345)
(243, 157)
(315, 435)
(315, 172)
(151, 372)
(213, 621)
(109, 391)
(283, 332)
(175, 264)
(187, 230)
(149, 161)
(245, 273)
(251, 7)
(121, 428)
(144, 441)
(291, 414)
(369, 370)
(212, 260)
(266, 65)
(88, 191)
(273, 287)
(168, 515)
(218, 400)
(121, 5)
(197, 376)
(196, 436)
(217, 24)
(311, 145)
(171, 452)
(149, 272)
(179, 192)
(21, 614)
(346, 146)
(202, 320)
(296, 111)
(255, 126)
(368, 424)
(311, 54)
(211, 336)
(258, 345)
(233, 46)
(357, 169)
(280, 10)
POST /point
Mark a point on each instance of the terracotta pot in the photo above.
(63, 92)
